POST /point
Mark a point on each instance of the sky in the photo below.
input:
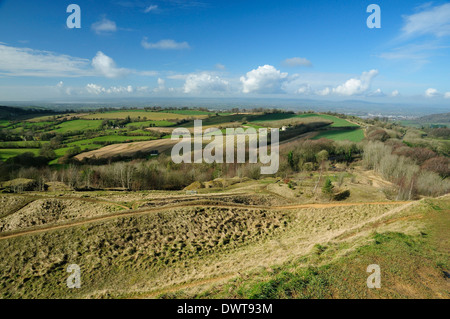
(218, 49)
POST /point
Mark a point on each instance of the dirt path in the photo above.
(184, 205)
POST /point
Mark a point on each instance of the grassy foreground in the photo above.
(414, 264)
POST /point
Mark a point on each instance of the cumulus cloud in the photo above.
(28, 62)
(104, 26)
(264, 79)
(96, 89)
(293, 62)
(431, 20)
(161, 85)
(60, 84)
(204, 83)
(304, 89)
(395, 93)
(376, 93)
(166, 44)
(106, 66)
(356, 86)
(431, 92)
(447, 95)
(324, 92)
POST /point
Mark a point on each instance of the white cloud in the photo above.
(96, 89)
(395, 93)
(166, 44)
(431, 20)
(376, 93)
(324, 92)
(28, 62)
(447, 95)
(161, 85)
(104, 26)
(178, 76)
(431, 92)
(356, 86)
(60, 84)
(120, 89)
(304, 89)
(292, 62)
(264, 79)
(418, 54)
(150, 8)
(204, 83)
(106, 66)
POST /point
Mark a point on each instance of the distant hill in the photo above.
(20, 113)
(434, 118)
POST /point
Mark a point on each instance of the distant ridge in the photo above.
(20, 113)
(438, 118)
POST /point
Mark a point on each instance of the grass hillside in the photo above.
(150, 245)
(413, 257)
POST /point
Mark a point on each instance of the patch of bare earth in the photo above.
(128, 149)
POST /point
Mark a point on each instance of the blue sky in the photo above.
(173, 48)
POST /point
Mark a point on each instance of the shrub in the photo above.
(328, 187)
(342, 195)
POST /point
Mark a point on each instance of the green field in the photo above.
(4, 123)
(83, 129)
(11, 152)
(110, 138)
(151, 123)
(189, 112)
(340, 135)
(22, 144)
(337, 122)
(155, 116)
(78, 125)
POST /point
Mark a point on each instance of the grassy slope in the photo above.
(339, 135)
(412, 266)
(78, 125)
(11, 152)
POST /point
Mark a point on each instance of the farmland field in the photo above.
(339, 135)
(151, 123)
(78, 125)
(89, 131)
(154, 116)
(7, 153)
(335, 121)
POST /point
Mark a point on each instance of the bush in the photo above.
(342, 195)
(328, 187)
(439, 165)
